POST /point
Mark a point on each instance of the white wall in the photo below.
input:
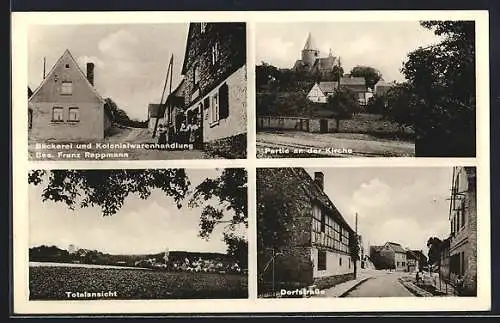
(332, 264)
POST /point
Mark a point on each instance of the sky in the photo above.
(131, 61)
(382, 45)
(139, 227)
(406, 205)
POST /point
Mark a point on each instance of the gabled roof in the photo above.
(411, 254)
(327, 87)
(66, 53)
(419, 253)
(315, 193)
(325, 63)
(352, 80)
(395, 246)
(310, 43)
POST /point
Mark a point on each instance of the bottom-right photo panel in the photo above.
(367, 232)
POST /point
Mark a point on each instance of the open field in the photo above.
(52, 283)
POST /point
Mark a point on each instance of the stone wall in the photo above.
(345, 126)
(231, 40)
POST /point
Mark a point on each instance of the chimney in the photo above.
(319, 179)
(90, 73)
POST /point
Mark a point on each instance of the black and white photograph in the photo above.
(366, 89)
(138, 234)
(137, 91)
(367, 232)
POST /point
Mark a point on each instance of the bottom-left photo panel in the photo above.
(138, 234)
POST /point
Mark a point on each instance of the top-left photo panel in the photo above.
(166, 91)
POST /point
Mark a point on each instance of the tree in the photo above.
(442, 78)
(401, 105)
(344, 104)
(377, 104)
(119, 116)
(230, 189)
(265, 74)
(434, 255)
(371, 75)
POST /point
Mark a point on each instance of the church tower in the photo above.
(310, 52)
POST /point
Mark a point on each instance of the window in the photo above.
(196, 75)
(74, 114)
(67, 66)
(30, 118)
(214, 109)
(462, 213)
(66, 88)
(340, 261)
(349, 263)
(323, 221)
(215, 53)
(223, 101)
(321, 260)
(203, 27)
(57, 114)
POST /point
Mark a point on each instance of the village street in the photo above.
(359, 144)
(385, 285)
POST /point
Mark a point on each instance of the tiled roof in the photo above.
(327, 87)
(395, 246)
(352, 81)
(314, 191)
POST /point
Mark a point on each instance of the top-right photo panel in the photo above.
(366, 89)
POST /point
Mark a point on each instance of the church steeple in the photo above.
(310, 52)
(310, 43)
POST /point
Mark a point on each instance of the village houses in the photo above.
(318, 248)
(459, 250)
(389, 256)
(66, 106)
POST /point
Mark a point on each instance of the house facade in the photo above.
(389, 256)
(66, 106)
(316, 246)
(463, 228)
(155, 115)
(214, 71)
(320, 91)
(382, 87)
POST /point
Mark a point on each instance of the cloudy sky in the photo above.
(130, 60)
(382, 45)
(400, 204)
(141, 226)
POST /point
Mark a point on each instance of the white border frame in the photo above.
(20, 24)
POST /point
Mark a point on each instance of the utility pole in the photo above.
(339, 74)
(44, 68)
(169, 73)
(357, 244)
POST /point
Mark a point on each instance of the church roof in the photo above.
(325, 63)
(310, 43)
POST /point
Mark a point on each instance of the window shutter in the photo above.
(223, 101)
